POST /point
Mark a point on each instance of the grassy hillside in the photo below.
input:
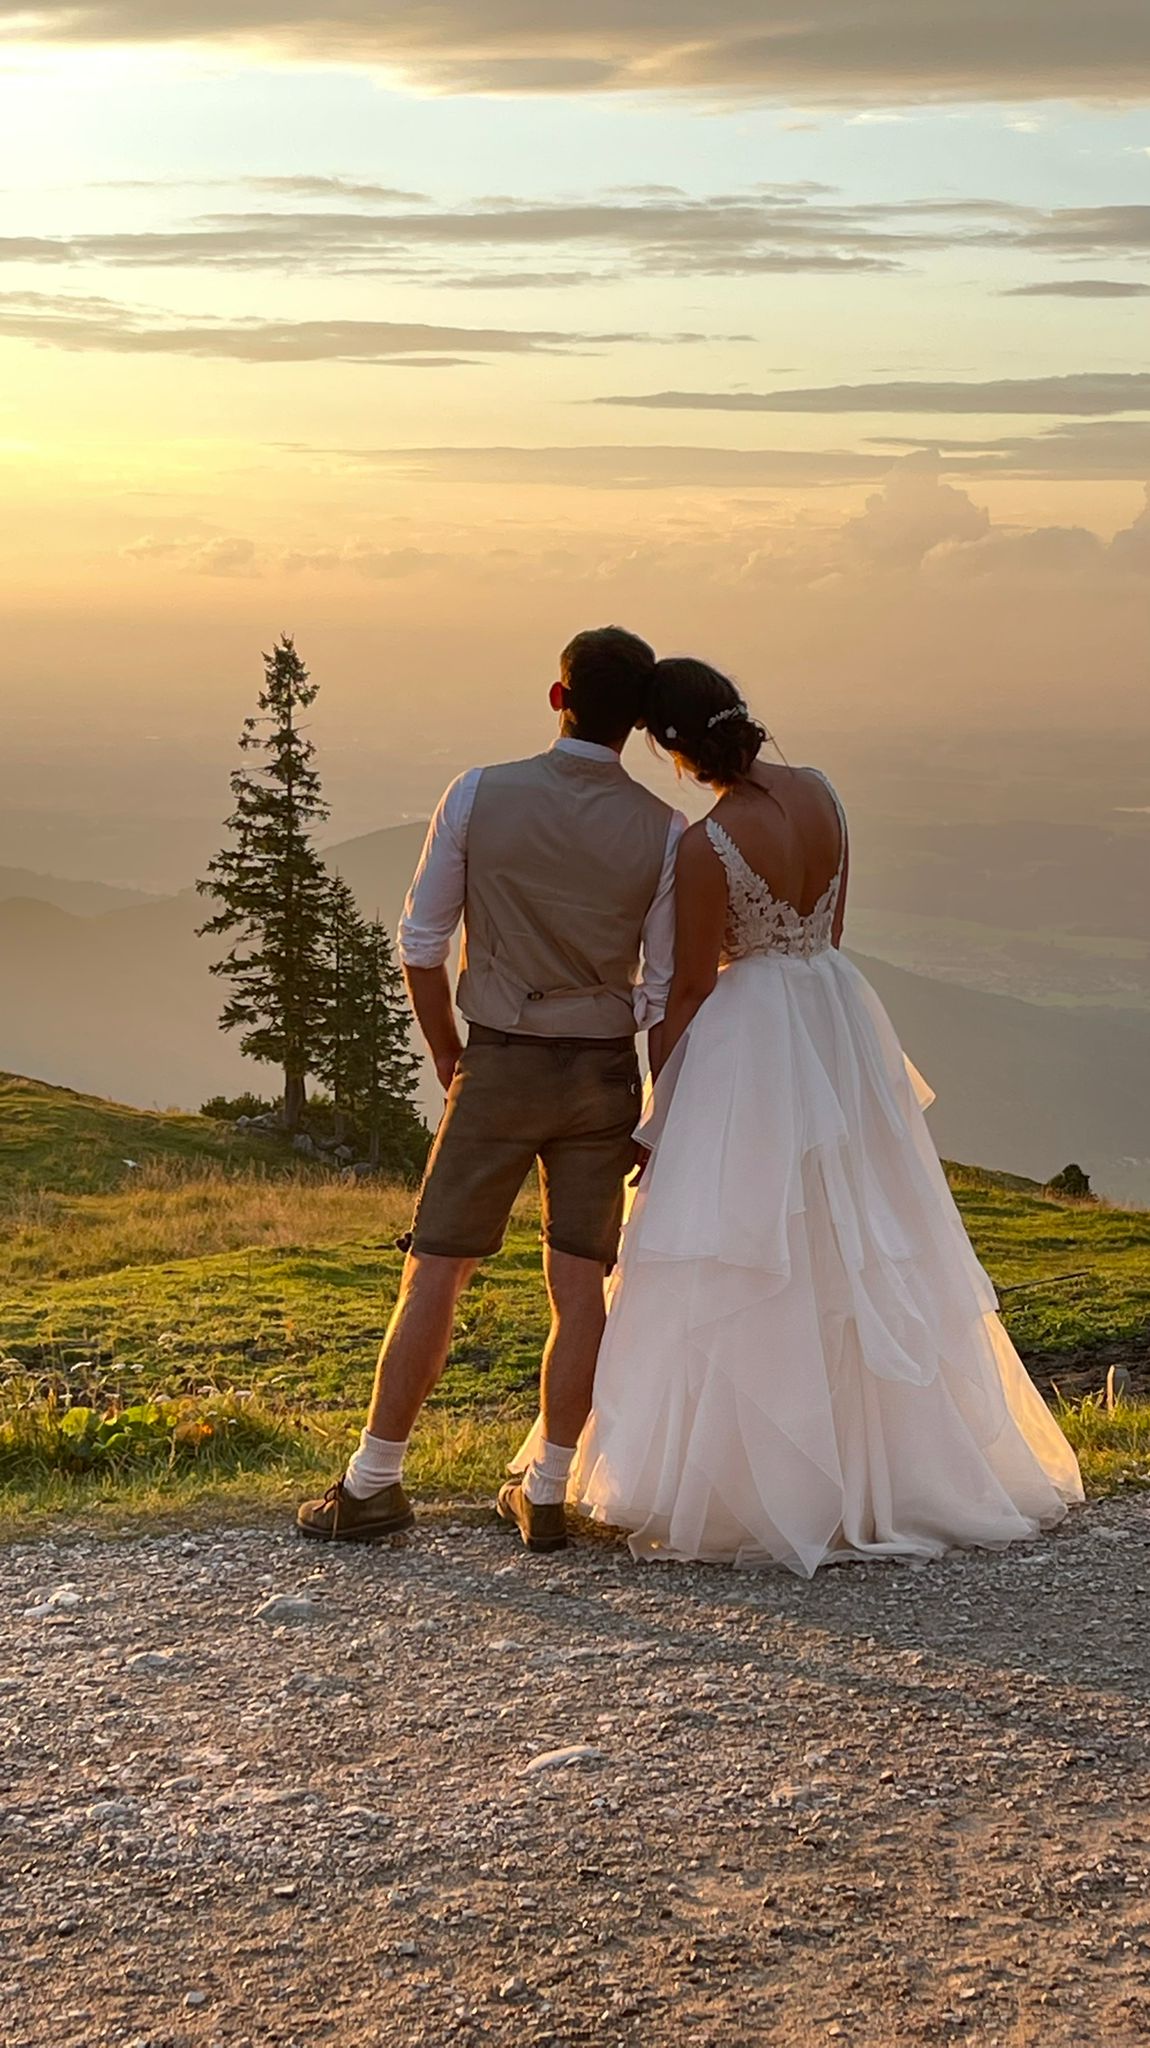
(283, 1289)
(249, 1306)
(56, 1140)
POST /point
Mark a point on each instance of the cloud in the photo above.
(103, 325)
(223, 555)
(235, 555)
(1080, 288)
(1131, 548)
(1036, 554)
(762, 230)
(913, 513)
(1094, 392)
(301, 185)
(615, 468)
(366, 558)
(843, 51)
(778, 228)
(1089, 230)
(916, 532)
(1096, 451)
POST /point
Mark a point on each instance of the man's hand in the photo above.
(445, 1065)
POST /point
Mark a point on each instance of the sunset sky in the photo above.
(818, 348)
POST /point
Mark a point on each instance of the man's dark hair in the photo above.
(607, 676)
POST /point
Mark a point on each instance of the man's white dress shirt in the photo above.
(435, 901)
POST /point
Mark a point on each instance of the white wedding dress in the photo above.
(803, 1359)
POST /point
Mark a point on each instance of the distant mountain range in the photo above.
(83, 899)
(118, 1001)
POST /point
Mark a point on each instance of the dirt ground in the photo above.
(893, 1806)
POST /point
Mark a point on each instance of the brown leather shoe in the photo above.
(340, 1518)
(542, 1528)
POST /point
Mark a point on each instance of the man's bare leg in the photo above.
(369, 1502)
(578, 1316)
(414, 1350)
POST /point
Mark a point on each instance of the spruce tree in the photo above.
(365, 1057)
(388, 1069)
(345, 942)
(270, 885)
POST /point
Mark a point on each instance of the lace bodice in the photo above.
(756, 921)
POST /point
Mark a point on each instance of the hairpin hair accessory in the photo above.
(732, 711)
(672, 732)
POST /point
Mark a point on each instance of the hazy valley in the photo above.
(1013, 957)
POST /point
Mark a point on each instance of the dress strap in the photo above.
(736, 863)
(828, 785)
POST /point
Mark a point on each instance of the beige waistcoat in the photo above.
(564, 856)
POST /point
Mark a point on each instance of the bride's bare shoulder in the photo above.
(697, 863)
(695, 847)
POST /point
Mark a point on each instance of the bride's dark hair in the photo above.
(697, 714)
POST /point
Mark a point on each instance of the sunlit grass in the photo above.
(244, 1300)
(1113, 1446)
(224, 1458)
(55, 1138)
(173, 1210)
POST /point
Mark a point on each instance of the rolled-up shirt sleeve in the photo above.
(658, 963)
(435, 899)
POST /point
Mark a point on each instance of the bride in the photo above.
(803, 1360)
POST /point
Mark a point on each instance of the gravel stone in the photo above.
(152, 1660)
(539, 1803)
(560, 1759)
(290, 1607)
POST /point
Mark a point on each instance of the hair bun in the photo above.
(697, 713)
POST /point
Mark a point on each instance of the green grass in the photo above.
(54, 1139)
(225, 1290)
(203, 1459)
(1113, 1448)
(292, 1321)
(1027, 1241)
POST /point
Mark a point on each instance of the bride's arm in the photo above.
(700, 914)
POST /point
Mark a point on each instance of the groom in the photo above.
(562, 869)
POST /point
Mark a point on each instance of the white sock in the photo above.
(545, 1480)
(374, 1465)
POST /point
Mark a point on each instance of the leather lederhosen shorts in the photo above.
(570, 1103)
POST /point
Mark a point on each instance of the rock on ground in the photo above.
(893, 1806)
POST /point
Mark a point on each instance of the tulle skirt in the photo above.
(803, 1358)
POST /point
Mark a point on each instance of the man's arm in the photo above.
(701, 909)
(430, 991)
(659, 949)
(431, 916)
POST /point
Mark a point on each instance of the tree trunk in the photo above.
(373, 1149)
(295, 1096)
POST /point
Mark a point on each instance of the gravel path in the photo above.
(896, 1805)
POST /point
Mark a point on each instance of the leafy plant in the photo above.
(158, 1435)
